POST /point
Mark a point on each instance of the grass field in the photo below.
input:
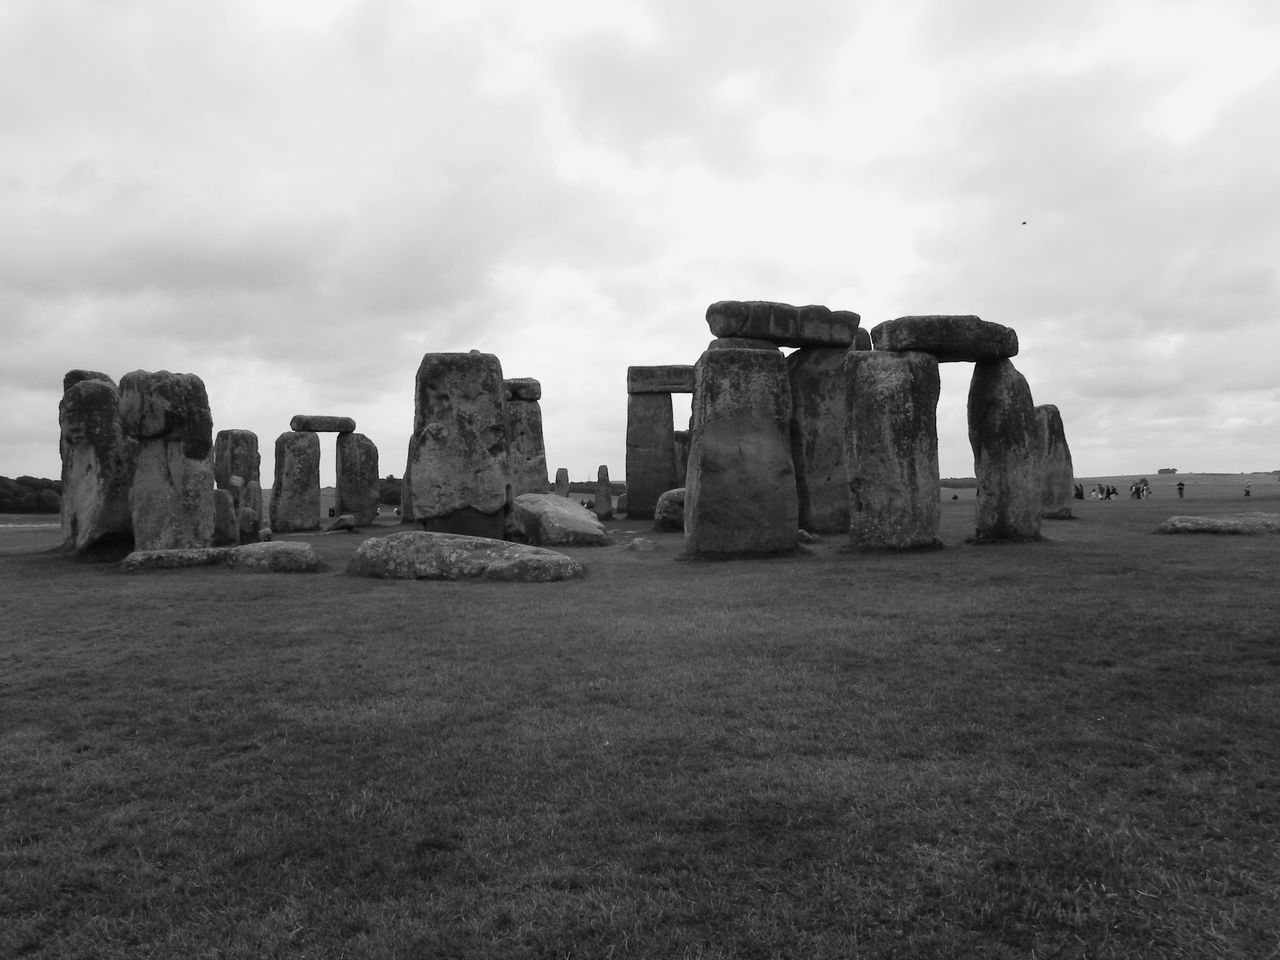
(1062, 749)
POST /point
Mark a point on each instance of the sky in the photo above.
(296, 200)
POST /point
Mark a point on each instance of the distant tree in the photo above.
(389, 491)
(1167, 470)
(30, 495)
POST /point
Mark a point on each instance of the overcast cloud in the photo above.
(296, 200)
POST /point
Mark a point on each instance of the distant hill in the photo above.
(30, 495)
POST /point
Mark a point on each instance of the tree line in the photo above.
(30, 495)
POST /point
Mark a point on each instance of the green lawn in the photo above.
(1062, 749)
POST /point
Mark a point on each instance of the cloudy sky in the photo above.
(297, 199)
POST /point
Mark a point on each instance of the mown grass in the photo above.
(1063, 749)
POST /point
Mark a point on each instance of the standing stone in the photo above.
(295, 494)
(527, 454)
(171, 496)
(740, 497)
(562, 482)
(651, 459)
(862, 339)
(357, 473)
(97, 466)
(235, 454)
(226, 524)
(604, 494)
(1057, 488)
(1004, 432)
(891, 449)
(682, 439)
(458, 455)
(668, 515)
(818, 387)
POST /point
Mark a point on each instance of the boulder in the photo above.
(526, 453)
(1235, 524)
(310, 423)
(548, 519)
(525, 389)
(342, 522)
(417, 555)
(282, 556)
(668, 515)
(1004, 433)
(673, 378)
(891, 449)
(171, 495)
(783, 324)
(740, 491)
(176, 559)
(603, 502)
(456, 477)
(651, 457)
(72, 377)
(97, 468)
(1057, 477)
(226, 525)
(949, 338)
(356, 466)
(295, 494)
(818, 387)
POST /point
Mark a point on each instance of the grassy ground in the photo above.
(1063, 749)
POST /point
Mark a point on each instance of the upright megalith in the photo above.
(818, 387)
(357, 475)
(97, 466)
(653, 460)
(783, 324)
(891, 449)
(1005, 434)
(527, 452)
(562, 482)
(1057, 486)
(237, 468)
(295, 494)
(456, 476)
(603, 501)
(740, 495)
(171, 496)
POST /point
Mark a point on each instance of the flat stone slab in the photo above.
(548, 519)
(1235, 523)
(419, 555)
(672, 378)
(280, 556)
(141, 560)
(783, 324)
(308, 423)
(952, 339)
(523, 388)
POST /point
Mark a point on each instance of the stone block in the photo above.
(783, 324)
(949, 338)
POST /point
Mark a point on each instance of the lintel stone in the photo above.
(673, 378)
(961, 338)
(308, 423)
(783, 324)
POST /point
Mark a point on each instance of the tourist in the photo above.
(1181, 486)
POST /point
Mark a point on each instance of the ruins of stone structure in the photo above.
(818, 382)
(527, 464)
(456, 470)
(603, 501)
(1004, 432)
(356, 467)
(562, 482)
(237, 468)
(891, 448)
(97, 465)
(295, 492)
(171, 493)
(1057, 488)
(653, 460)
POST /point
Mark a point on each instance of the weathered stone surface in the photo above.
(72, 377)
(949, 338)
(527, 453)
(175, 559)
(547, 519)
(651, 460)
(891, 449)
(295, 494)
(818, 387)
(416, 555)
(356, 466)
(862, 339)
(235, 454)
(343, 522)
(562, 482)
(1235, 523)
(682, 440)
(668, 515)
(226, 525)
(171, 494)
(673, 378)
(282, 556)
(1057, 486)
(312, 423)
(740, 492)
(457, 475)
(741, 343)
(526, 389)
(783, 324)
(1004, 433)
(602, 504)
(251, 512)
(97, 468)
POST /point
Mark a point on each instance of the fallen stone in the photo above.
(949, 338)
(309, 423)
(141, 560)
(668, 515)
(345, 521)
(1245, 524)
(641, 545)
(673, 378)
(418, 555)
(783, 324)
(282, 556)
(548, 519)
